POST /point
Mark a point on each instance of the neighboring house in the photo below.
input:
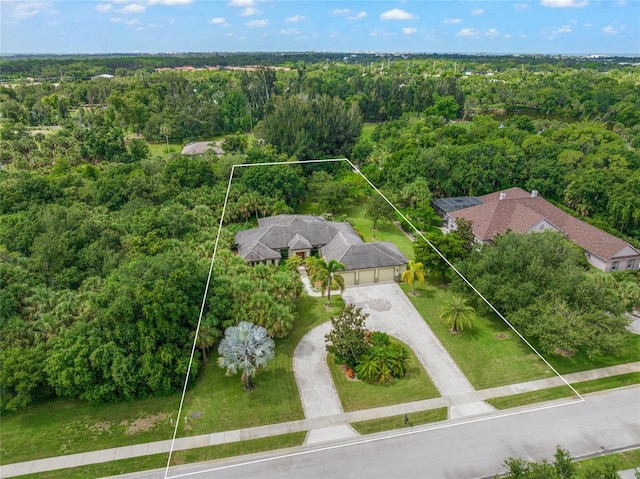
(201, 147)
(282, 236)
(517, 210)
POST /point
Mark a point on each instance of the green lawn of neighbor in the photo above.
(397, 422)
(65, 427)
(488, 353)
(367, 130)
(357, 395)
(160, 149)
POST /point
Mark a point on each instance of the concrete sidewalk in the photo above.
(319, 423)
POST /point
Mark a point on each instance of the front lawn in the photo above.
(489, 354)
(66, 427)
(357, 395)
(397, 422)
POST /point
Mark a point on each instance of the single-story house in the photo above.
(279, 237)
(201, 147)
(518, 210)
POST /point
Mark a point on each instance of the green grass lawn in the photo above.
(160, 149)
(489, 353)
(157, 461)
(65, 427)
(558, 392)
(357, 395)
(367, 130)
(621, 461)
(397, 422)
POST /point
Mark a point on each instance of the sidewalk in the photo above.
(319, 423)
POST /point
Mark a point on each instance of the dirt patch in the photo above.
(146, 423)
(564, 352)
(502, 335)
(99, 427)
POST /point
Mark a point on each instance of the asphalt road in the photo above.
(467, 449)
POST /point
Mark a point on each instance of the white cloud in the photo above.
(611, 30)
(397, 14)
(218, 21)
(23, 11)
(452, 21)
(257, 23)
(522, 6)
(477, 11)
(170, 2)
(133, 8)
(132, 22)
(588, 25)
(242, 3)
(409, 30)
(508, 35)
(357, 16)
(103, 7)
(565, 29)
(564, 3)
(467, 32)
(296, 18)
(290, 31)
(341, 11)
(492, 32)
(249, 11)
(116, 20)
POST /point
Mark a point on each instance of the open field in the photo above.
(67, 427)
(357, 395)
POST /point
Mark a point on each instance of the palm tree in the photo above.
(414, 271)
(457, 313)
(328, 277)
(245, 347)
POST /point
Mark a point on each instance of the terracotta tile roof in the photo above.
(520, 212)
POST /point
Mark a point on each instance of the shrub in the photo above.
(380, 364)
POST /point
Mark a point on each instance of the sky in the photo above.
(403, 26)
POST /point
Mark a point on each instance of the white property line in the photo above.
(206, 291)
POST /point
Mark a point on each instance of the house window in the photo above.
(630, 264)
(542, 226)
(614, 266)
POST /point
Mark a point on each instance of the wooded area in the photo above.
(105, 247)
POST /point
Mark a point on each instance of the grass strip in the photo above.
(584, 387)
(621, 461)
(397, 422)
(358, 395)
(155, 461)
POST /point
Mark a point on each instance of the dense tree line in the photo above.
(104, 250)
(103, 267)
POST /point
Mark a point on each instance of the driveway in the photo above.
(391, 311)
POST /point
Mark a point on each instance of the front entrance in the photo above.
(300, 253)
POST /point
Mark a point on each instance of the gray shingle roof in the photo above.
(337, 240)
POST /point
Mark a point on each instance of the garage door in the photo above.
(349, 278)
(366, 276)
(385, 275)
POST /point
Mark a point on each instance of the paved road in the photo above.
(391, 311)
(606, 421)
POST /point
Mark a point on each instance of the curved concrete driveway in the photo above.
(317, 391)
(389, 311)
